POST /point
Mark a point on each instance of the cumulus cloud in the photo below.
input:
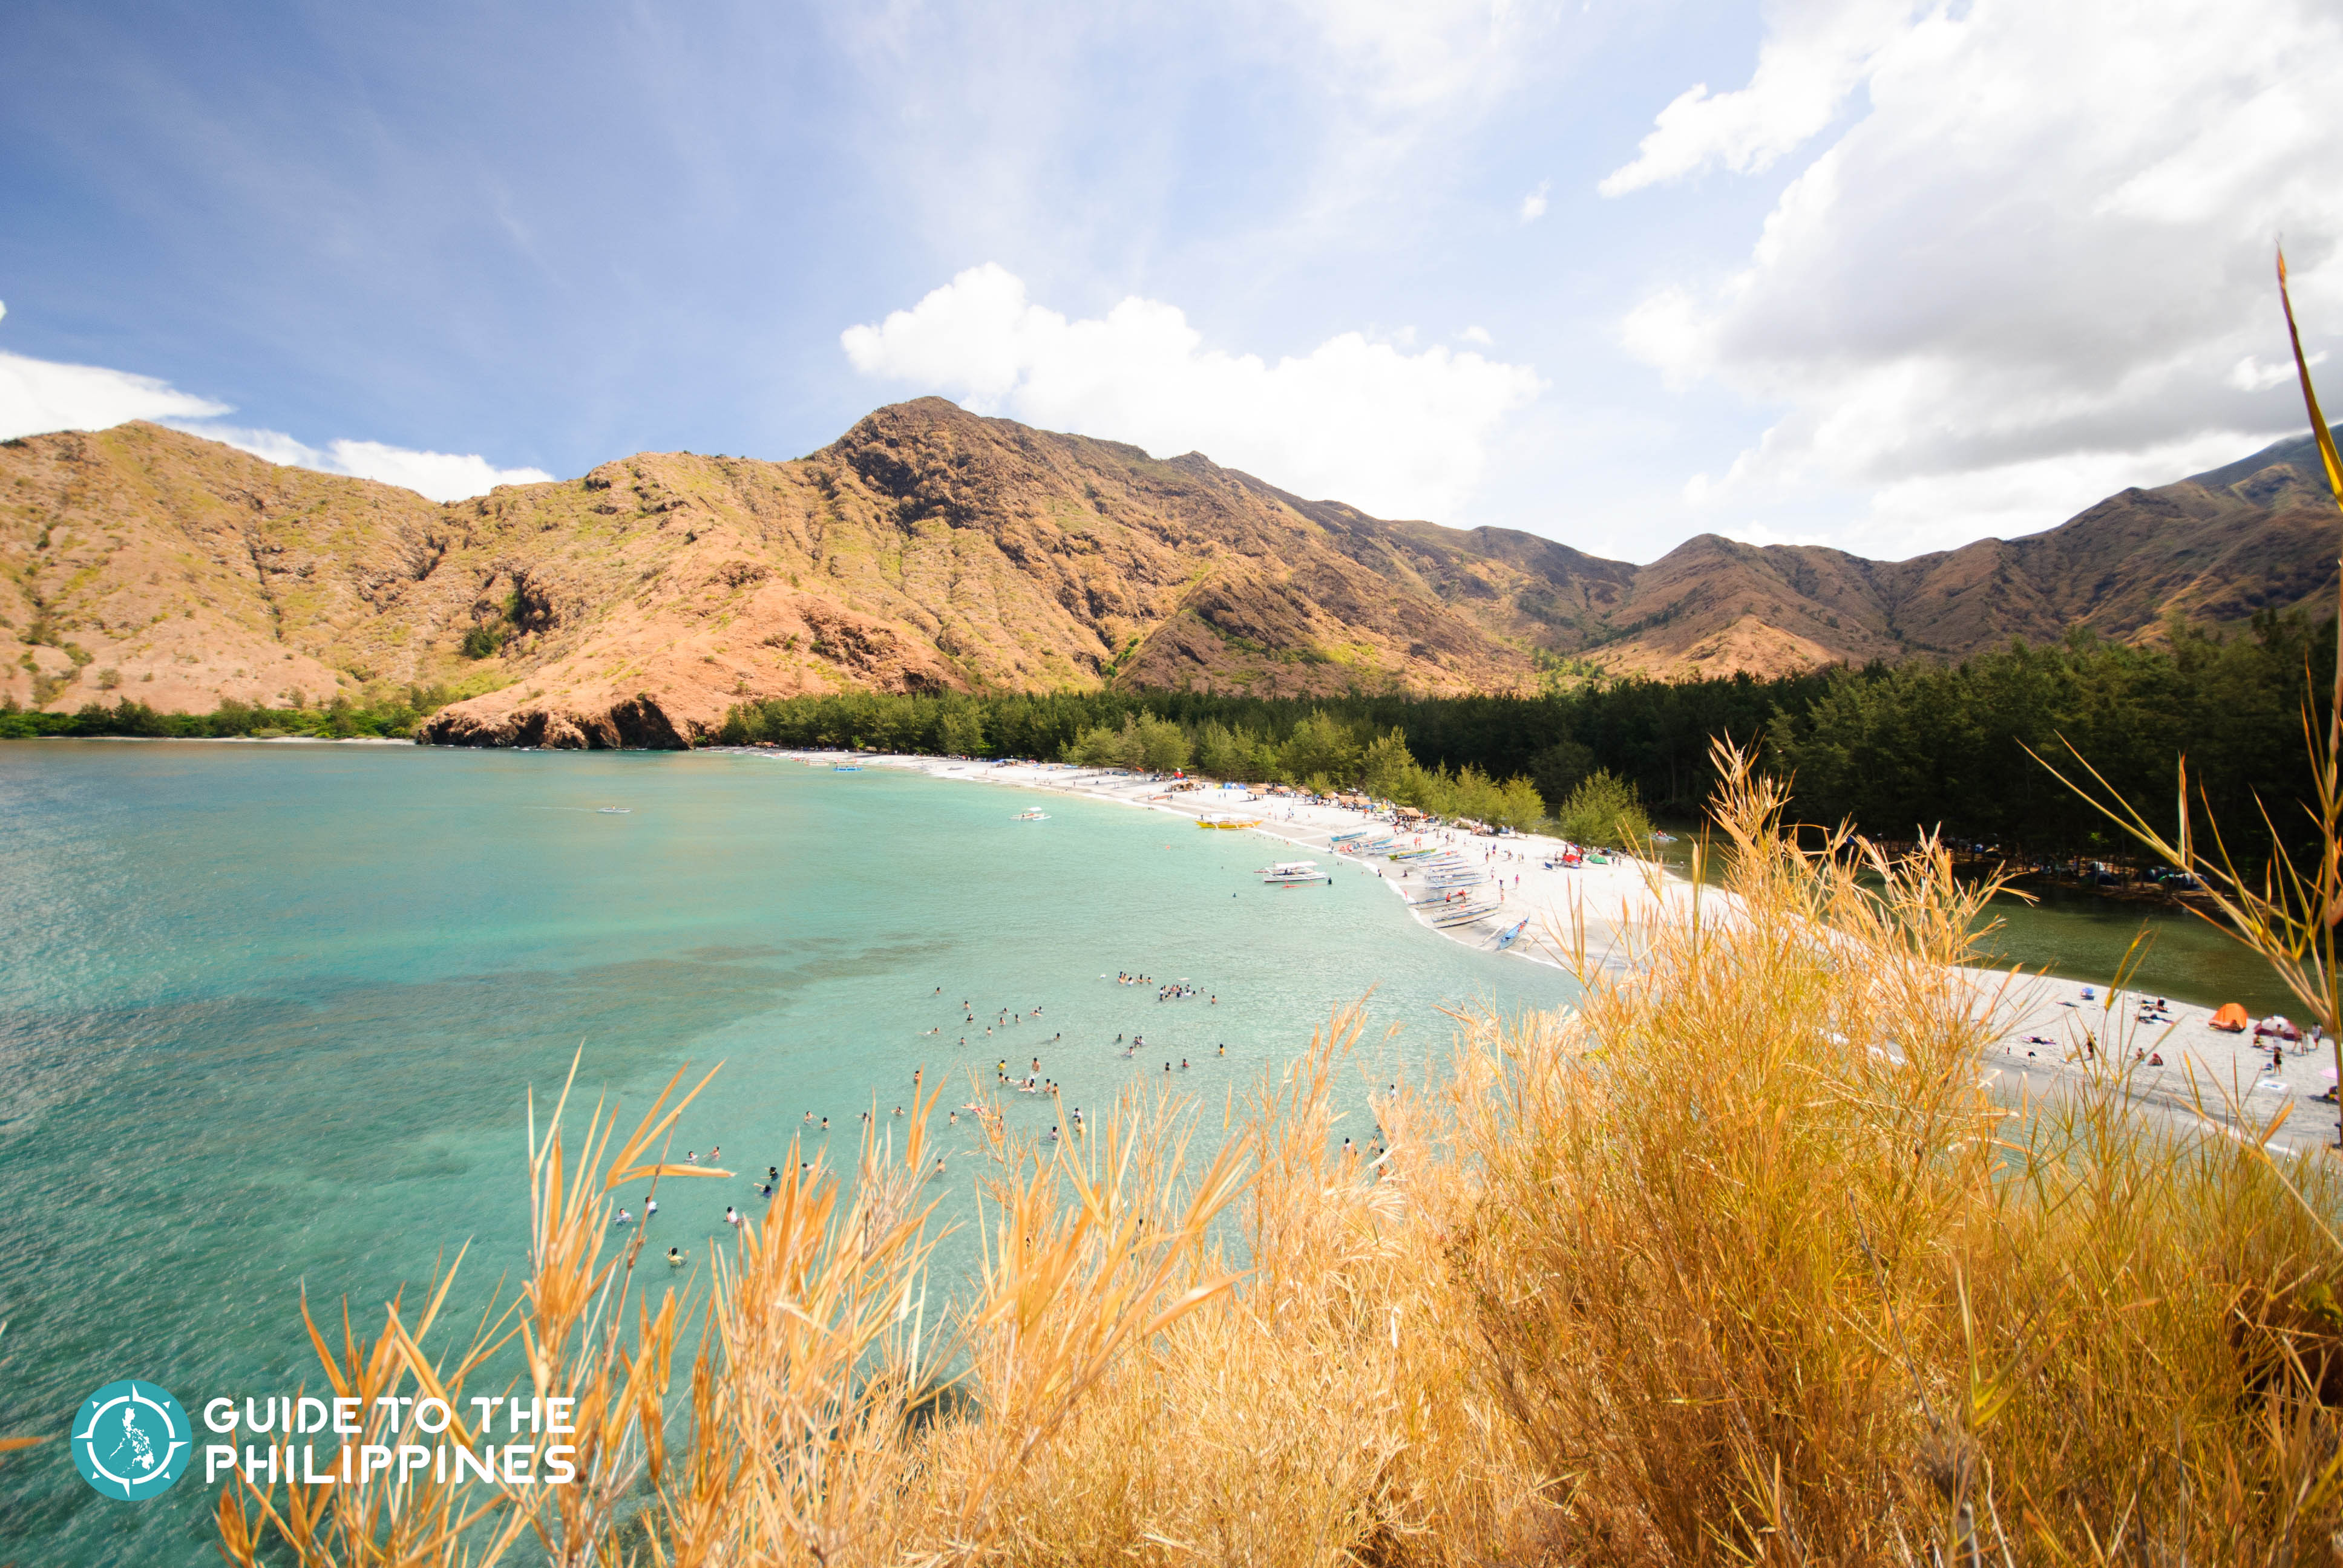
(1479, 335)
(1815, 53)
(1395, 432)
(2040, 259)
(442, 476)
(38, 395)
(1534, 203)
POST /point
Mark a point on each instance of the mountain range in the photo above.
(932, 549)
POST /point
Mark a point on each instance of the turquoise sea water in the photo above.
(268, 1012)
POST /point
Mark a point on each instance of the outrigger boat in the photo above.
(1468, 915)
(1506, 938)
(1228, 824)
(1292, 873)
(1036, 816)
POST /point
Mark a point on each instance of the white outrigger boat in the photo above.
(1462, 915)
(1292, 873)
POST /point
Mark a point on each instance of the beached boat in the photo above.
(1292, 873)
(1470, 914)
(1506, 938)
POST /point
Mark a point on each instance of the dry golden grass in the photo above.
(1739, 1263)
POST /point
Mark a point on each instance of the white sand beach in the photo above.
(2048, 1037)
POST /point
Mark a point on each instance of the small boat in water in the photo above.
(616, 811)
(1292, 873)
(1033, 816)
(846, 767)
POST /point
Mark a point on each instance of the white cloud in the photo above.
(1479, 335)
(1815, 53)
(1945, 511)
(1394, 432)
(2250, 374)
(2035, 269)
(1534, 203)
(440, 475)
(38, 395)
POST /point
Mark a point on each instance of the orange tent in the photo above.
(2232, 1018)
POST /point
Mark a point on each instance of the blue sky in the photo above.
(1898, 276)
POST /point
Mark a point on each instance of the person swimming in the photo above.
(624, 1218)
(675, 1257)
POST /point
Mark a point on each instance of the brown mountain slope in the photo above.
(2258, 534)
(929, 549)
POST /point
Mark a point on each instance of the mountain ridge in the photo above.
(930, 549)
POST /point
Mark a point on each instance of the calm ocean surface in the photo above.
(268, 1014)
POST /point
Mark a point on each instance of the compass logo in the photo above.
(132, 1441)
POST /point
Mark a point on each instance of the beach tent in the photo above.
(2232, 1019)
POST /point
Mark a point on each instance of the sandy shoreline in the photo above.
(2048, 1039)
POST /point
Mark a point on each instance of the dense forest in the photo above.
(1894, 749)
(388, 719)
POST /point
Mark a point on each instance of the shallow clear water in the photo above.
(268, 1014)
